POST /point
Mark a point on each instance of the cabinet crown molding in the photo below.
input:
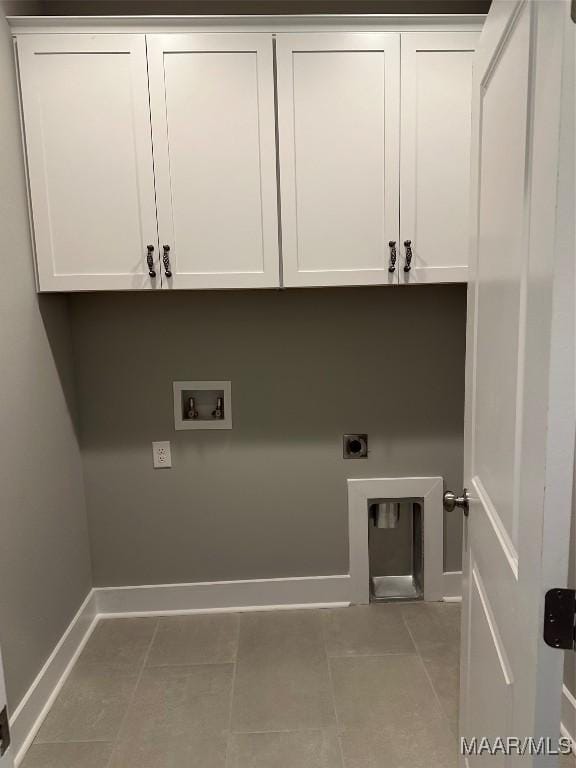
(256, 23)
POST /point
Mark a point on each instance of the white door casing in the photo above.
(89, 156)
(519, 426)
(436, 89)
(213, 126)
(338, 110)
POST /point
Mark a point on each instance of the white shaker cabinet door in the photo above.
(435, 155)
(212, 102)
(338, 107)
(89, 154)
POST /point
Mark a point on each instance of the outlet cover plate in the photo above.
(161, 454)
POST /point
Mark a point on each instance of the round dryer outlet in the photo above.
(355, 446)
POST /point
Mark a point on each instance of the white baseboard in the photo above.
(163, 599)
(219, 596)
(452, 586)
(166, 599)
(569, 716)
(32, 710)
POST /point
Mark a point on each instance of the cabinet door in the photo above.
(89, 153)
(435, 154)
(338, 106)
(212, 100)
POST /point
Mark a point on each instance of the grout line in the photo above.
(131, 702)
(372, 655)
(440, 705)
(315, 729)
(189, 664)
(232, 691)
(332, 693)
(359, 656)
(419, 655)
(73, 741)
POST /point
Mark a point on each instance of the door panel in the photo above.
(212, 100)
(89, 153)
(519, 388)
(500, 267)
(489, 673)
(435, 154)
(338, 106)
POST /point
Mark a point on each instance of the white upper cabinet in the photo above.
(435, 155)
(183, 148)
(338, 124)
(213, 127)
(89, 154)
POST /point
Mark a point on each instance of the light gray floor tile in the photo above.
(179, 718)
(366, 630)
(382, 659)
(200, 750)
(375, 692)
(90, 706)
(433, 624)
(435, 628)
(282, 680)
(292, 749)
(443, 667)
(201, 639)
(422, 744)
(454, 726)
(89, 755)
(121, 643)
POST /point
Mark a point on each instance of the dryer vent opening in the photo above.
(396, 550)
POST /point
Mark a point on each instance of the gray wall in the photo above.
(267, 499)
(44, 555)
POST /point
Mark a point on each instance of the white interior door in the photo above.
(520, 381)
(213, 122)
(89, 152)
(338, 110)
(436, 117)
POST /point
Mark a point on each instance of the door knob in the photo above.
(451, 501)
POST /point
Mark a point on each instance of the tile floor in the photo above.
(363, 687)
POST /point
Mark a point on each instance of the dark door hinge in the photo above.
(4, 731)
(559, 617)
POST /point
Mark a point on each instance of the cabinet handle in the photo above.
(392, 246)
(150, 260)
(408, 246)
(166, 260)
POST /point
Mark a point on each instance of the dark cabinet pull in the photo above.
(392, 267)
(408, 246)
(166, 260)
(150, 260)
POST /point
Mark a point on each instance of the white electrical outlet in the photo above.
(161, 454)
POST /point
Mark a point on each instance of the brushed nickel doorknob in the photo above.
(451, 501)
